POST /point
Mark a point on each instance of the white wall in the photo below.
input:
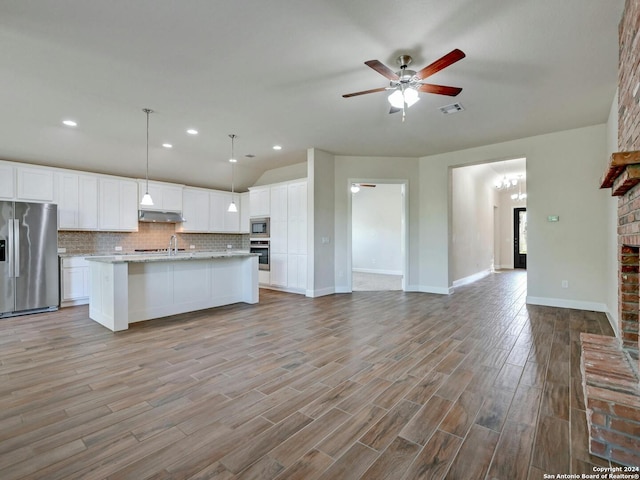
(376, 219)
(283, 174)
(563, 172)
(611, 225)
(320, 223)
(472, 222)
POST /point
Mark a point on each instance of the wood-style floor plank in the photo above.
(373, 385)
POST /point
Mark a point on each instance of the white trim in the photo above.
(564, 303)
(342, 290)
(320, 292)
(503, 267)
(613, 323)
(381, 272)
(428, 289)
(471, 278)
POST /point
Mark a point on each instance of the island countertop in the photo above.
(164, 257)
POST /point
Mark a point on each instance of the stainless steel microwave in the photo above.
(260, 227)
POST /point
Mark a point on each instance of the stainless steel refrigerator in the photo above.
(28, 258)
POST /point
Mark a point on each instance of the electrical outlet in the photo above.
(565, 283)
(118, 248)
(62, 250)
(229, 247)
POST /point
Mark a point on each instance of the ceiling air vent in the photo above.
(453, 108)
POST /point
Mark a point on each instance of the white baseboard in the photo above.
(343, 290)
(380, 272)
(508, 266)
(471, 278)
(428, 289)
(613, 322)
(321, 292)
(564, 303)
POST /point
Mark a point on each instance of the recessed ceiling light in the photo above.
(167, 145)
(70, 123)
(192, 131)
(277, 147)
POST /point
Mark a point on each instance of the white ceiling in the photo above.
(274, 72)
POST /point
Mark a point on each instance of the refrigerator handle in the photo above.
(10, 248)
(16, 247)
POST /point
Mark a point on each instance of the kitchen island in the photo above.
(132, 288)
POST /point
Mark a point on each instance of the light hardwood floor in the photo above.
(371, 385)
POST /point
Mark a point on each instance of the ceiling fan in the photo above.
(355, 187)
(407, 83)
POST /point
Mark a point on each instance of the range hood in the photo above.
(159, 217)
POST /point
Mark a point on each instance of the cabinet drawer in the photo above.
(68, 262)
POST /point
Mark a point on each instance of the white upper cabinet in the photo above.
(167, 197)
(118, 204)
(7, 181)
(260, 201)
(195, 210)
(220, 219)
(34, 184)
(245, 226)
(77, 199)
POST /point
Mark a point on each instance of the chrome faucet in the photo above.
(173, 244)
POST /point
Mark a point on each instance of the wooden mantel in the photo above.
(623, 172)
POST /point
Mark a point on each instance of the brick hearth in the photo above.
(612, 399)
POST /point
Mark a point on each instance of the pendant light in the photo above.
(232, 206)
(146, 199)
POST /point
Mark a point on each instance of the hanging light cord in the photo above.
(147, 111)
(233, 137)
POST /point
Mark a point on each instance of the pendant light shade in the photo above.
(147, 201)
(232, 206)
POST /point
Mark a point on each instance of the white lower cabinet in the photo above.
(278, 270)
(297, 272)
(74, 281)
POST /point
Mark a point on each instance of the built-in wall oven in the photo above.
(261, 247)
(260, 227)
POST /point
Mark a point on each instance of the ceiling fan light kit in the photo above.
(406, 84)
(147, 201)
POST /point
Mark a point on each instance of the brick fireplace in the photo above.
(610, 365)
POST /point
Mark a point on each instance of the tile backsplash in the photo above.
(148, 236)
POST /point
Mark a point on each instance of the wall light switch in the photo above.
(324, 240)
(192, 247)
(553, 218)
(118, 248)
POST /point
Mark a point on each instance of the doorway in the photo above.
(377, 236)
(520, 237)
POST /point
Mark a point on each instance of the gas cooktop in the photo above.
(155, 250)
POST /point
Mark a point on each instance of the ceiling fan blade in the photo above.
(443, 62)
(440, 89)
(364, 92)
(382, 69)
(394, 110)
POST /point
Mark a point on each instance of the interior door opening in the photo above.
(377, 237)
